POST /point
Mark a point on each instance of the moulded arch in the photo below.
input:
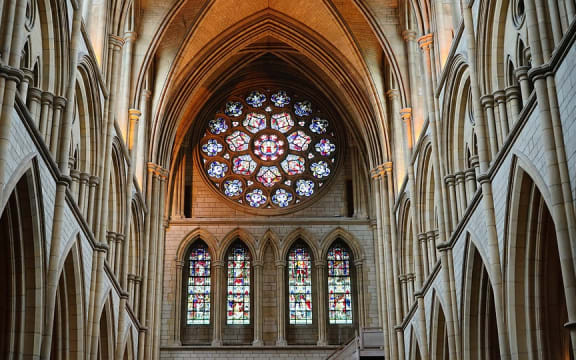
(237, 234)
(271, 238)
(300, 234)
(439, 337)
(346, 237)
(25, 165)
(194, 235)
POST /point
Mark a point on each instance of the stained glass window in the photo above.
(339, 285)
(269, 149)
(300, 285)
(198, 311)
(238, 287)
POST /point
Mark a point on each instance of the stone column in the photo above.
(46, 114)
(59, 105)
(404, 285)
(91, 209)
(522, 76)
(453, 338)
(137, 284)
(82, 193)
(360, 291)
(475, 162)
(177, 299)
(461, 186)
(23, 86)
(322, 300)
(111, 239)
(488, 104)
(450, 183)
(219, 301)
(503, 129)
(75, 175)
(431, 238)
(258, 306)
(120, 241)
(130, 289)
(513, 100)
(281, 302)
(410, 282)
(470, 183)
(34, 104)
(424, 249)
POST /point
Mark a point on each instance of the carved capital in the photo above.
(426, 41)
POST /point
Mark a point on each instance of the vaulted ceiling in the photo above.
(192, 51)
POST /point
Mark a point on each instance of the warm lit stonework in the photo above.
(288, 179)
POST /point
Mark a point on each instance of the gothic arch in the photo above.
(244, 237)
(439, 331)
(272, 239)
(480, 330)
(105, 336)
(22, 264)
(536, 306)
(304, 235)
(346, 237)
(192, 237)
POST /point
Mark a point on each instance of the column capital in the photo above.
(11, 73)
(474, 161)
(406, 114)
(180, 263)
(449, 179)
(359, 262)
(426, 41)
(500, 96)
(521, 73)
(422, 237)
(376, 173)
(280, 263)
(513, 92)
(134, 114)
(409, 35)
(59, 102)
(120, 238)
(93, 180)
(115, 42)
(320, 263)
(258, 263)
(431, 234)
(459, 176)
(393, 93)
(130, 36)
(46, 97)
(110, 235)
(146, 94)
(84, 178)
(218, 263)
(34, 93)
(487, 101)
(470, 174)
(75, 174)
(388, 167)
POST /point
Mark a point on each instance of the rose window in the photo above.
(269, 150)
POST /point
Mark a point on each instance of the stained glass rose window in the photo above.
(269, 149)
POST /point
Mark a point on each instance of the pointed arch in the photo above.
(439, 331)
(237, 234)
(192, 237)
(303, 235)
(350, 240)
(272, 239)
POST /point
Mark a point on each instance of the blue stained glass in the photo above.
(280, 99)
(304, 187)
(217, 169)
(198, 310)
(303, 108)
(244, 165)
(282, 198)
(256, 198)
(255, 99)
(293, 164)
(233, 108)
(325, 147)
(319, 126)
(320, 169)
(282, 122)
(269, 175)
(299, 141)
(300, 285)
(238, 141)
(254, 122)
(212, 147)
(232, 187)
(238, 287)
(217, 126)
(339, 286)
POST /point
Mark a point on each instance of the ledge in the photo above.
(337, 220)
(247, 347)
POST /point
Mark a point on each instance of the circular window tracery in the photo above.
(269, 150)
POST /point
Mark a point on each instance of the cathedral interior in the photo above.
(288, 179)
